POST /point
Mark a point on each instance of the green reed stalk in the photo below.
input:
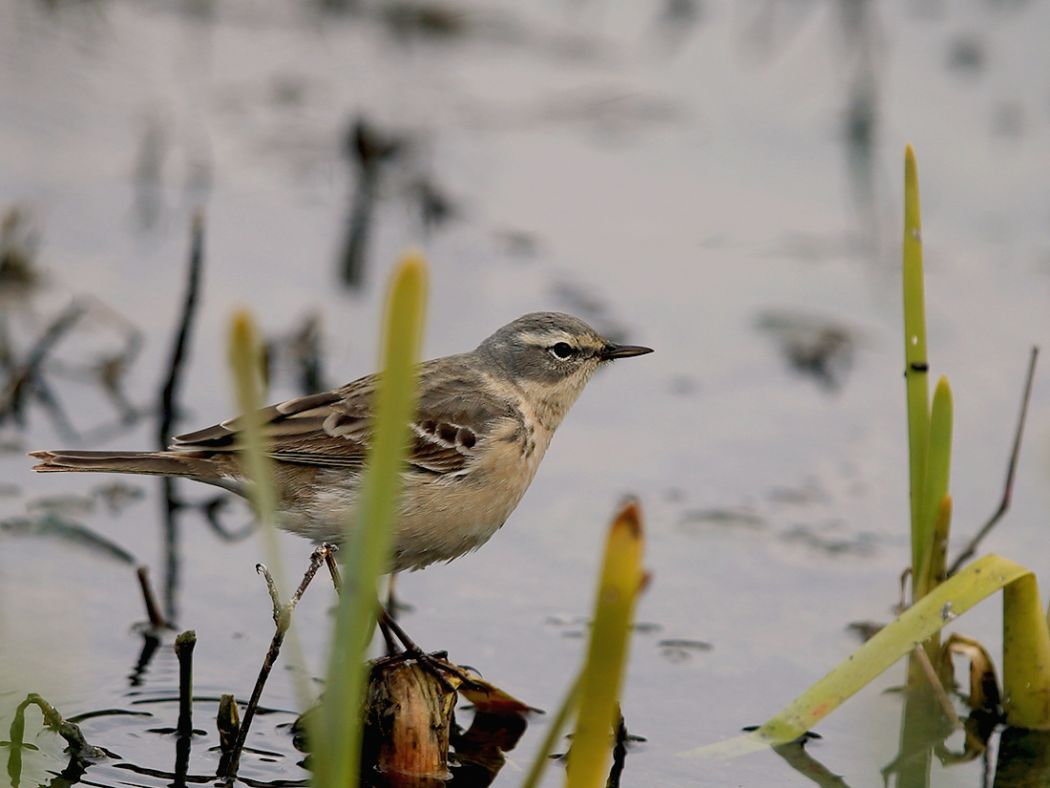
(916, 370)
(337, 741)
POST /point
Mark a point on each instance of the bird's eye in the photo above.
(563, 351)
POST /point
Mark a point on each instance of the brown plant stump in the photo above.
(407, 724)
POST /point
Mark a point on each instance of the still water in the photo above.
(719, 181)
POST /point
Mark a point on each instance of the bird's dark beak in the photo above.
(612, 350)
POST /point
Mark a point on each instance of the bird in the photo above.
(483, 422)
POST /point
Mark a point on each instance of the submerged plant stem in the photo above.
(156, 618)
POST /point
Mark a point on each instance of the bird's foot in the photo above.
(437, 665)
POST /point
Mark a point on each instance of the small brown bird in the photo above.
(483, 423)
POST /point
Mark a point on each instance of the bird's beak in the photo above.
(612, 350)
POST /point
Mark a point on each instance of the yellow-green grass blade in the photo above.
(543, 755)
(935, 564)
(621, 579)
(916, 365)
(245, 358)
(938, 471)
(1026, 656)
(337, 742)
(1022, 609)
(245, 352)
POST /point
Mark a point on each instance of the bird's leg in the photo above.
(333, 567)
(435, 663)
(394, 605)
(388, 635)
(392, 633)
(390, 609)
(337, 581)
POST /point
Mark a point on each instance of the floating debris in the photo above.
(518, 243)
(813, 346)
(410, 19)
(808, 493)
(966, 55)
(682, 649)
(816, 537)
(724, 518)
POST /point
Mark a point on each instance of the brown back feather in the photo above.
(334, 428)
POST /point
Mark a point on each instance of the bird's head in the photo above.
(550, 356)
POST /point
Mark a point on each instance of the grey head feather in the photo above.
(522, 349)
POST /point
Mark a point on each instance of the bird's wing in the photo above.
(334, 428)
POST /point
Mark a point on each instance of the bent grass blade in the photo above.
(1026, 678)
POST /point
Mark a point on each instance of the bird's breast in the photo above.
(440, 517)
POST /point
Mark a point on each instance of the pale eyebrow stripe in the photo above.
(543, 340)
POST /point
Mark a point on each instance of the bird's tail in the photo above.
(164, 463)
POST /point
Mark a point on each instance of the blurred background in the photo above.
(720, 181)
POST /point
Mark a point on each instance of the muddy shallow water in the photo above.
(718, 182)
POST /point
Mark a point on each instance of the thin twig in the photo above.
(282, 616)
(317, 557)
(271, 588)
(938, 689)
(156, 619)
(169, 391)
(1008, 489)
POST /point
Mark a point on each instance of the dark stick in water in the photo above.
(169, 392)
(169, 408)
(369, 149)
(184, 645)
(156, 618)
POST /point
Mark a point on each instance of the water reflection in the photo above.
(796, 756)
(546, 97)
